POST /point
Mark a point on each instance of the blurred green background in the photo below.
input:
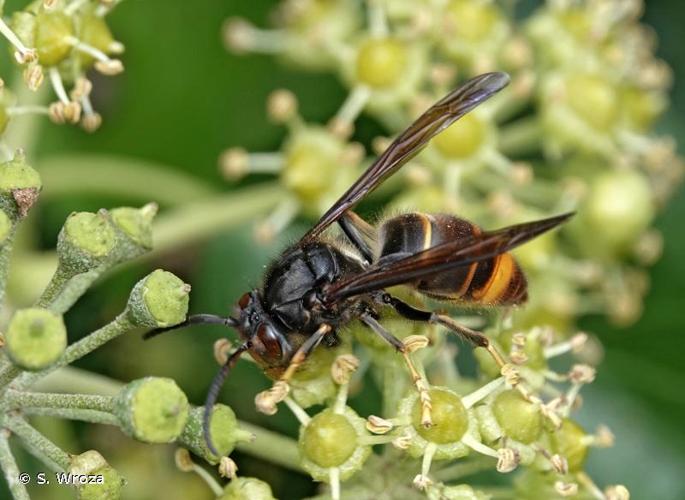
(180, 102)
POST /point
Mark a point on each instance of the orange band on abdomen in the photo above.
(498, 282)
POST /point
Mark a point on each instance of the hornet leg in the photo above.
(358, 231)
(266, 401)
(478, 339)
(420, 383)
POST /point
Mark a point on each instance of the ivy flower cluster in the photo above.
(60, 41)
(34, 348)
(515, 418)
(574, 131)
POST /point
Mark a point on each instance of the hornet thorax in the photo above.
(293, 285)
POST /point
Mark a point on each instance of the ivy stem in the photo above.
(20, 399)
(55, 287)
(77, 350)
(4, 361)
(374, 440)
(271, 446)
(38, 445)
(5, 255)
(9, 467)
(267, 444)
(394, 384)
(65, 288)
(464, 469)
(8, 373)
(82, 415)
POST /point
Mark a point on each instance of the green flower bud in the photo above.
(53, 33)
(530, 484)
(577, 22)
(35, 338)
(135, 225)
(518, 418)
(472, 31)
(594, 99)
(617, 210)
(93, 30)
(93, 464)
(451, 421)
(17, 174)
(305, 48)
(381, 62)
(23, 24)
(570, 441)
(158, 300)
(313, 169)
(580, 112)
(5, 227)
(463, 138)
(312, 383)
(19, 185)
(152, 410)
(223, 429)
(246, 488)
(471, 21)
(313, 392)
(86, 241)
(331, 439)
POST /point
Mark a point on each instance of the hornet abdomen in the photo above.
(494, 281)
